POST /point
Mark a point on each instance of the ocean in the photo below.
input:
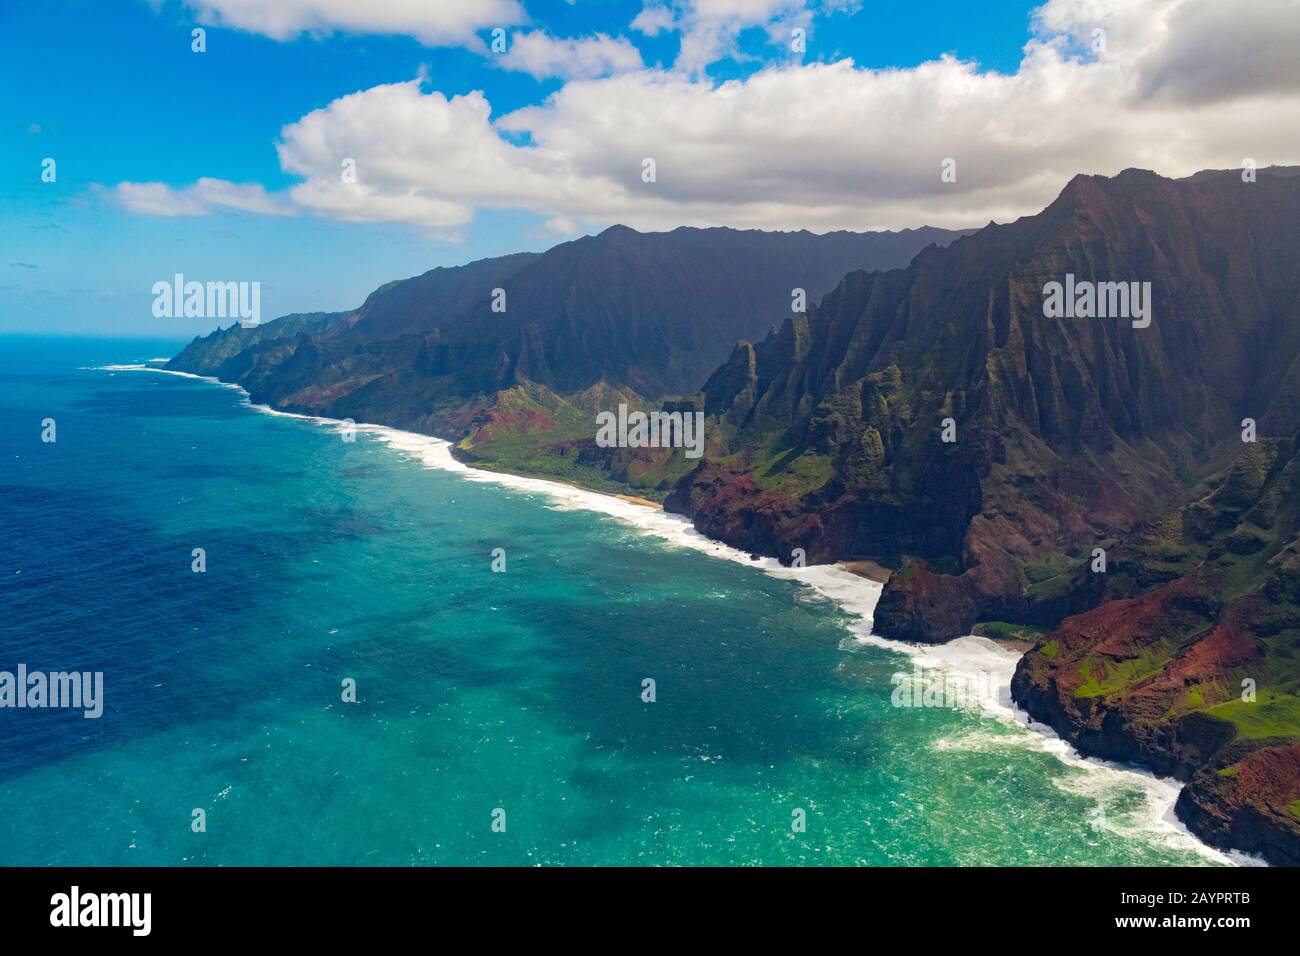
(500, 716)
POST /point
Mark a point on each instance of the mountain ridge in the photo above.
(1070, 435)
(558, 325)
(826, 435)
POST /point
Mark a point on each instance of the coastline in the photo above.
(643, 502)
(853, 586)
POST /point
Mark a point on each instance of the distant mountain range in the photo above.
(651, 312)
(1069, 439)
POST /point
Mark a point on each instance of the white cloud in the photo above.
(585, 58)
(823, 146)
(1217, 52)
(156, 199)
(711, 28)
(654, 19)
(420, 158)
(205, 196)
(434, 22)
(559, 226)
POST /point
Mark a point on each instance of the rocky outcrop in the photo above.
(935, 419)
(1249, 804)
(1187, 664)
(1064, 433)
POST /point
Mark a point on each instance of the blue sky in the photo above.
(111, 90)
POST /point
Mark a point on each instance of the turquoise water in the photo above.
(477, 690)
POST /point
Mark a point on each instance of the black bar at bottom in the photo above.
(335, 905)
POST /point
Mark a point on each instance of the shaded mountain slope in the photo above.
(650, 312)
(1068, 432)
(1070, 435)
(1071, 439)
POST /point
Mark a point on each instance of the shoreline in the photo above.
(849, 585)
(630, 499)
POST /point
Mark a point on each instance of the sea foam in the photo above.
(966, 658)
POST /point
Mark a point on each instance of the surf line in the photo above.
(855, 595)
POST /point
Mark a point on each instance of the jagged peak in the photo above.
(617, 230)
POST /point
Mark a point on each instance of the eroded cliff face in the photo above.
(650, 312)
(1249, 804)
(512, 357)
(935, 419)
(1069, 435)
(1188, 662)
(1067, 432)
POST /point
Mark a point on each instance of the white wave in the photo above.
(970, 658)
(167, 371)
